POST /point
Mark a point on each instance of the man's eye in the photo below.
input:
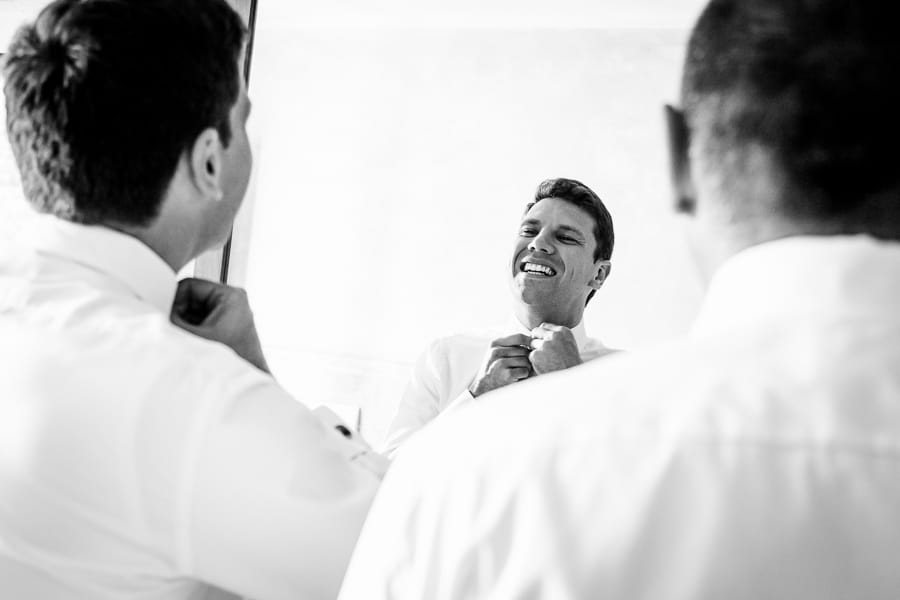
(527, 232)
(568, 240)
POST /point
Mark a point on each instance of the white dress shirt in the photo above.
(758, 458)
(445, 371)
(140, 461)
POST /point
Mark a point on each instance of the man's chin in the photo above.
(532, 293)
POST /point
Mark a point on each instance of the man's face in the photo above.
(553, 264)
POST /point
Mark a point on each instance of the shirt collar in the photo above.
(803, 275)
(578, 331)
(120, 256)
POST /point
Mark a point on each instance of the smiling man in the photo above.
(560, 259)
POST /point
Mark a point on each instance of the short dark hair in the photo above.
(576, 193)
(812, 82)
(104, 96)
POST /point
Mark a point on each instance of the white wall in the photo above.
(394, 164)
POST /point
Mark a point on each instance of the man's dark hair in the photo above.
(816, 83)
(576, 193)
(104, 96)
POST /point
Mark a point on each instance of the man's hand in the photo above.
(220, 313)
(555, 349)
(506, 362)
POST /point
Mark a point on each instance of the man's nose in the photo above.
(541, 243)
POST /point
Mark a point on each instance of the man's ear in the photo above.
(603, 269)
(685, 196)
(206, 164)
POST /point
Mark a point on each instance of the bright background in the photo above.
(399, 148)
(395, 150)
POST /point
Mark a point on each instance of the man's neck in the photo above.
(173, 251)
(722, 234)
(532, 316)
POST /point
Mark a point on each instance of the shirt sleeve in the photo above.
(421, 401)
(274, 503)
(464, 398)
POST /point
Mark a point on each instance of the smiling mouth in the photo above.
(536, 269)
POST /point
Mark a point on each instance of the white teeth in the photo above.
(533, 268)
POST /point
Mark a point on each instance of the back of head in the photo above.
(813, 86)
(103, 97)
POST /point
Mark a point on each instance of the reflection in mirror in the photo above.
(395, 160)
